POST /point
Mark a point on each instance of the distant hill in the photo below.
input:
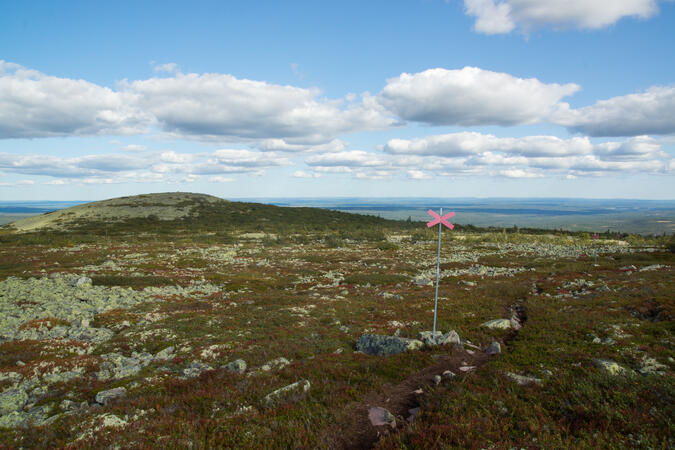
(173, 211)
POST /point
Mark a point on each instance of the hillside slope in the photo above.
(179, 210)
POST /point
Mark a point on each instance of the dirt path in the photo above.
(355, 430)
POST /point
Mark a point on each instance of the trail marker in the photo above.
(441, 220)
(595, 251)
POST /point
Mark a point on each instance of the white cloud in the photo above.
(472, 96)
(520, 173)
(474, 143)
(303, 174)
(219, 179)
(649, 112)
(351, 158)
(33, 104)
(503, 16)
(168, 68)
(221, 107)
(418, 175)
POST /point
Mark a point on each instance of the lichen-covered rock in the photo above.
(498, 324)
(523, 380)
(165, 354)
(275, 364)
(12, 400)
(494, 348)
(610, 367)
(104, 397)
(378, 345)
(287, 392)
(236, 366)
(195, 369)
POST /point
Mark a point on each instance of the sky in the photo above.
(405, 98)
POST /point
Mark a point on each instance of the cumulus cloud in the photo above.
(504, 16)
(168, 68)
(33, 104)
(351, 158)
(474, 143)
(520, 173)
(472, 96)
(418, 175)
(303, 174)
(219, 179)
(221, 107)
(649, 112)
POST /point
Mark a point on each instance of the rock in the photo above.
(381, 417)
(650, 366)
(287, 392)
(437, 379)
(498, 324)
(610, 367)
(494, 348)
(104, 397)
(413, 413)
(378, 345)
(196, 368)
(82, 282)
(428, 336)
(236, 366)
(451, 337)
(276, 364)
(522, 380)
(449, 374)
(12, 400)
(165, 354)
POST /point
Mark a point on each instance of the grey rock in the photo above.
(437, 379)
(498, 324)
(451, 337)
(494, 348)
(286, 393)
(378, 345)
(82, 282)
(104, 397)
(236, 366)
(428, 336)
(610, 367)
(165, 354)
(379, 416)
(12, 400)
(275, 364)
(196, 368)
(523, 380)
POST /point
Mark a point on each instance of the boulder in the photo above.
(378, 345)
(12, 400)
(498, 324)
(236, 366)
(522, 380)
(494, 348)
(275, 364)
(610, 367)
(381, 417)
(196, 368)
(104, 397)
(165, 354)
(287, 392)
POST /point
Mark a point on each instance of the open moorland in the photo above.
(185, 321)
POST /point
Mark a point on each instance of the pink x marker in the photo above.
(439, 219)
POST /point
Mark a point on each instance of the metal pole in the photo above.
(438, 273)
(595, 253)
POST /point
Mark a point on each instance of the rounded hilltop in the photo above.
(162, 206)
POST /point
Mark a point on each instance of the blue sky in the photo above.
(485, 98)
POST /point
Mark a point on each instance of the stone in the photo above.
(523, 380)
(610, 367)
(437, 379)
(165, 354)
(451, 337)
(428, 336)
(82, 282)
(236, 366)
(104, 397)
(275, 364)
(12, 400)
(378, 345)
(494, 348)
(379, 416)
(413, 413)
(287, 392)
(449, 374)
(498, 324)
(196, 368)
